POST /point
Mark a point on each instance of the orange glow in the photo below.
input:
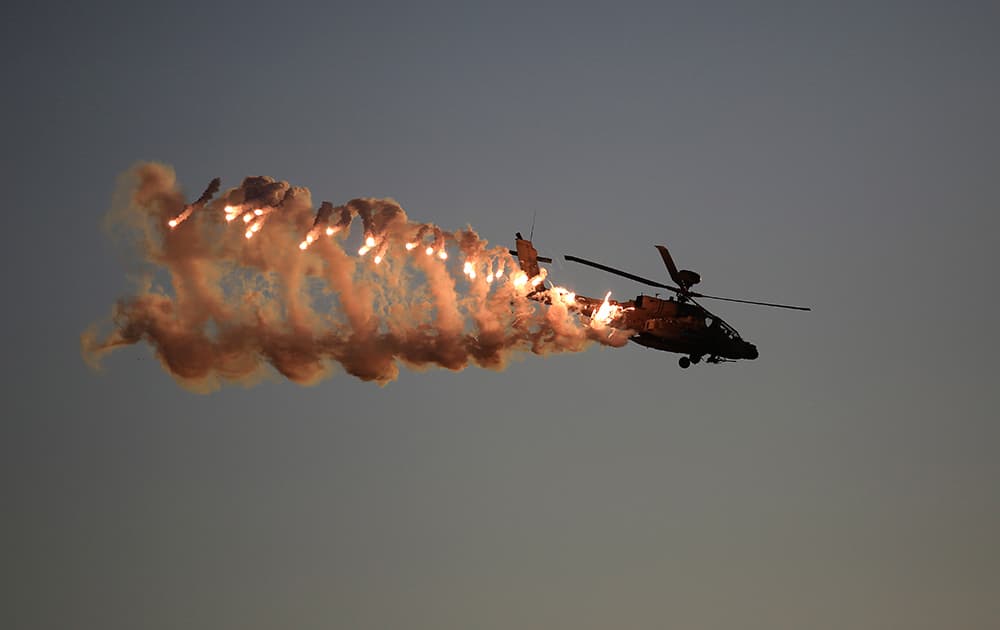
(410, 246)
(330, 231)
(180, 218)
(309, 239)
(429, 251)
(443, 255)
(564, 295)
(606, 313)
(370, 241)
(364, 250)
(378, 259)
(469, 270)
(247, 218)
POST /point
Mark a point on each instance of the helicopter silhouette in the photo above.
(676, 324)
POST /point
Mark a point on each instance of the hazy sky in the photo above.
(840, 155)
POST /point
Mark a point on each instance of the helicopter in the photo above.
(676, 324)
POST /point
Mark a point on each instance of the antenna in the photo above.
(531, 235)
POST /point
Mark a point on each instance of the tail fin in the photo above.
(527, 256)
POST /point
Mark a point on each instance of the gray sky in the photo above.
(840, 155)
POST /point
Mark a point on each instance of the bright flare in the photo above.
(370, 241)
(180, 218)
(364, 250)
(410, 246)
(605, 314)
(429, 251)
(330, 231)
(378, 259)
(567, 297)
(310, 237)
(443, 255)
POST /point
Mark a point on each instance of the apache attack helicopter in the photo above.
(679, 324)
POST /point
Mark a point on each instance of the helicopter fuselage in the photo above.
(680, 327)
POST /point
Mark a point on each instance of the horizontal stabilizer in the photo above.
(544, 259)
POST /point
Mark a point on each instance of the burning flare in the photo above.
(606, 313)
(213, 187)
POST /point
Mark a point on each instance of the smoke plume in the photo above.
(258, 278)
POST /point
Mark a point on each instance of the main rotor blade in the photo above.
(716, 297)
(669, 262)
(625, 274)
(654, 283)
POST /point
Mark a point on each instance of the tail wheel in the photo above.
(684, 362)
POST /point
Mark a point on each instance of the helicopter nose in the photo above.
(751, 351)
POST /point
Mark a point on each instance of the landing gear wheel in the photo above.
(684, 362)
